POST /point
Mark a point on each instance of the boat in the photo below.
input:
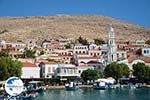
(34, 88)
(138, 85)
(71, 86)
(99, 85)
(110, 86)
(131, 86)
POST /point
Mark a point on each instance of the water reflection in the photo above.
(91, 94)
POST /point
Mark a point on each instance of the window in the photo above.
(122, 55)
(76, 52)
(53, 69)
(65, 71)
(49, 69)
(145, 51)
(117, 55)
(91, 54)
(79, 71)
(94, 54)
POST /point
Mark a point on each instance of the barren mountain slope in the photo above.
(46, 27)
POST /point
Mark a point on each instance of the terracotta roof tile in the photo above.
(135, 57)
(27, 64)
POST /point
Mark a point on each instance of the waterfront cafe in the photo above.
(67, 72)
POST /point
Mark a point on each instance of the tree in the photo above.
(148, 42)
(83, 41)
(4, 54)
(90, 74)
(141, 71)
(68, 45)
(99, 41)
(9, 68)
(117, 70)
(29, 53)
(42, 52)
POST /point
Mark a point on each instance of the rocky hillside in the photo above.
(67, 26)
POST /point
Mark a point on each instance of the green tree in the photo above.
(116, 70)
(4, 54)
(42, 52)
(68, 45)
(99, 41)
(83, 41)
(90, 74)
(148, 42)
(141, 71)
(29, 53)
(9, 68)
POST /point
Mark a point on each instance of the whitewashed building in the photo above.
(80, 49)
(83, 67)
(30, 70)
(67, 71)
(48, 69)
(146, 51)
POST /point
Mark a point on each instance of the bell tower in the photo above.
(112, 53)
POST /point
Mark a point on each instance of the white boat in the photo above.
(99, 85)
(71, 86)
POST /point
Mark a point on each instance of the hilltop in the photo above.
(68, 26)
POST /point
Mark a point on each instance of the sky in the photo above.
(134, 11)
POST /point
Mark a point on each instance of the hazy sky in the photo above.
(135, 11)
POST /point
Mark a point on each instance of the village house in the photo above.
(30, 70)
(48, 69)
(67, 72)
(80, 49)
(16, 54)
(134, 59)
(31, 43)
(65, 41)
(17, 46)
(146, 51)
(136, 42)
(55, 69)
(83, 67)
(2, 44)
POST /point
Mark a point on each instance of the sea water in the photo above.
(91, 94)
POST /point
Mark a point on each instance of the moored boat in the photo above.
(138, 85)
(71, 86)
(99, 85)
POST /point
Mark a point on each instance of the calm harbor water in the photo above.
(90, 94)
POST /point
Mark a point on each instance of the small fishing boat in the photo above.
(34, 88)
(71, 86)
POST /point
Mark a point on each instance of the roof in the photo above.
(88, 57)
(16, 52)
(93, 62)
(51, 62)
(131, 46)
(28, 64)
(135, 57)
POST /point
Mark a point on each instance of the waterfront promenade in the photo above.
(88, 86)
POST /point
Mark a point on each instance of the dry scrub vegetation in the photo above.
(67, 26)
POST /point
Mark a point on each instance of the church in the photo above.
(114, 54)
